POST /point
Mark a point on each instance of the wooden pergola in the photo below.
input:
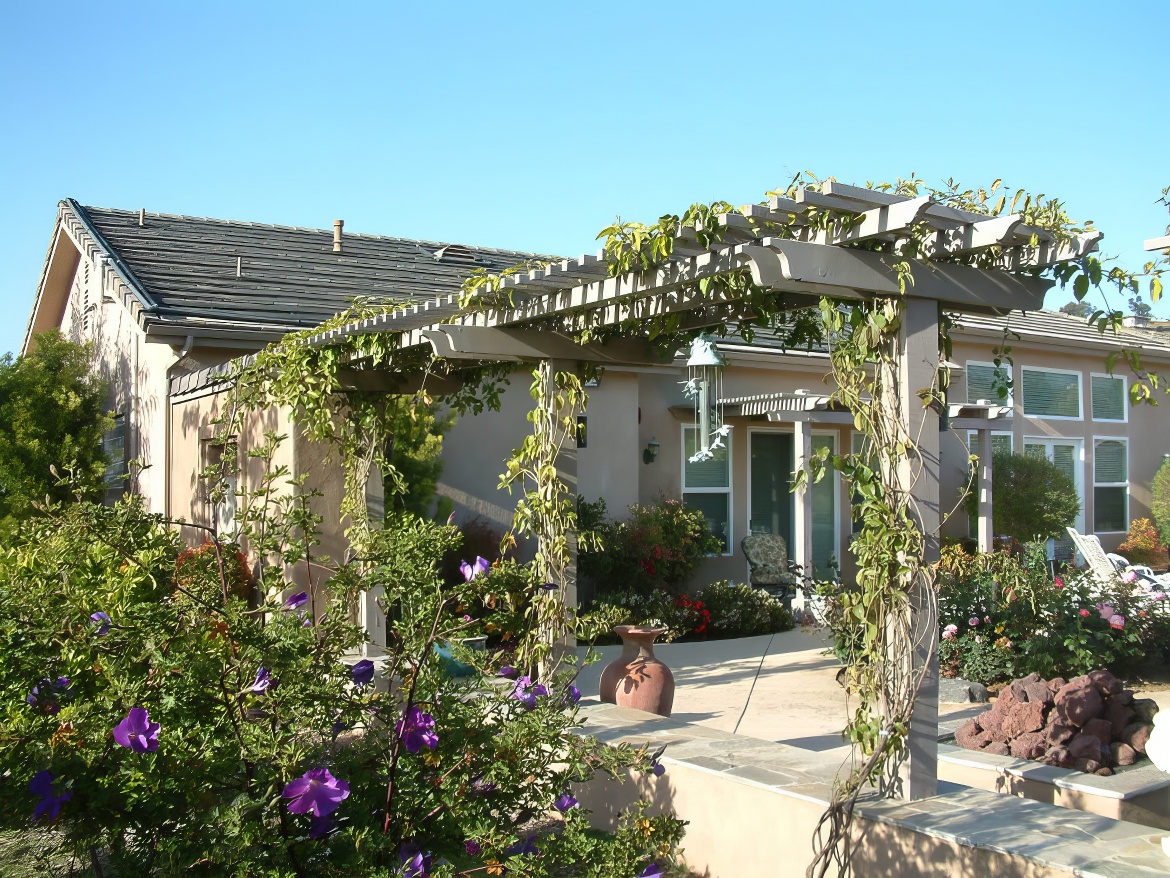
(799, 261)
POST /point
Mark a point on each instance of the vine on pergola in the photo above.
(861, 339)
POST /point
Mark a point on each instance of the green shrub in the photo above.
(248, 702)
(1033, 498)
(738, 610)
(657, 546)
(720, 610)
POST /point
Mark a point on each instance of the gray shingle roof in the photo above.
(289, 278)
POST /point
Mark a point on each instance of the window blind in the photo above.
(1109, 461)
(1108, 398)
(711, 473)
(982, 384)
(1052, 394)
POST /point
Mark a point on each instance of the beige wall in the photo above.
(135, 372)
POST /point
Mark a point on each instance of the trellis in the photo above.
(836, 241)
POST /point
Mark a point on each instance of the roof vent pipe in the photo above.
(142, 216)
(337, 226)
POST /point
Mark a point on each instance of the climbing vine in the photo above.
(895, 583)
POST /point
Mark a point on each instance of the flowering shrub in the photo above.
(198, 569)
(1003, 620)
(1143, 545)
(657, 546)
(720, 610)
(197, 734)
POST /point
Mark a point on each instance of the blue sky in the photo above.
(530, 126)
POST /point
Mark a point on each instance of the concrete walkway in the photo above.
(796, 699)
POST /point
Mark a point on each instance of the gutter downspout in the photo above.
(169, 432)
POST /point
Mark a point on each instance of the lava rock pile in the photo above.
(1092, 723)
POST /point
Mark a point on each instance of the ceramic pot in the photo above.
(637, 679)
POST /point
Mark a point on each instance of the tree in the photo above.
(52, 413)
(1139, 307)
(1160, 505)
(1077, 309)
(1031, 498)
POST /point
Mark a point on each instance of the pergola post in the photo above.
(917, 369)
(802, 527)
(567, 473)
(986, 535)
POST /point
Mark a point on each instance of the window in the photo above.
(707, 487)
(224, 458)
(1109, 402)
(985, 381)
(114, 448)
(1110, 485)
(1052, 394)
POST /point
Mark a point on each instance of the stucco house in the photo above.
(167, 299)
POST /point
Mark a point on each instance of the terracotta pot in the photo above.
(637, 679)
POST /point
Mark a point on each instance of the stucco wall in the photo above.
(135, 372)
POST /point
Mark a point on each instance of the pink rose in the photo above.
(1128, 576)
(973, 621)
(1084, 613)
(1058, 582)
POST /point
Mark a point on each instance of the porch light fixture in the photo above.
(650, 452)
(704, 385)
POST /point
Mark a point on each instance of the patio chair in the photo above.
(768, 568)
(1105, 567)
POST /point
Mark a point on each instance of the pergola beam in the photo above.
(503, 345)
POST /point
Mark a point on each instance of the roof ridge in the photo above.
(281, 227)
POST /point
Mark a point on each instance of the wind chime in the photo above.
(704, 385)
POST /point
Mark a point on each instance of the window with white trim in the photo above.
(988, 382)
(1110, 485)
(114, 449)
(707, 486)
(1051, 394)
(1109, 402)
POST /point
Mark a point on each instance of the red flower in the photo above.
(1058, 582)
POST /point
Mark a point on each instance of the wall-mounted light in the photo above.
(650, 452)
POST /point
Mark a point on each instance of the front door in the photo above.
(772, 505)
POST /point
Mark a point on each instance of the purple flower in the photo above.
(363, 672)
(572, 696)
(319, 826)
(50, 802)
(471, 571)
(483, 787)
(263, 681)
(473, 848)
(297, 600)
(973, 621)
(658, 768)
(415, 864)
(525, 692)
(101, 623)
(48, 693)
(549, 586)
(507, 671)
(417, 729)
(652, 871)
(137, 732)
(524, 848)
(315, 792)
(565, 802)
